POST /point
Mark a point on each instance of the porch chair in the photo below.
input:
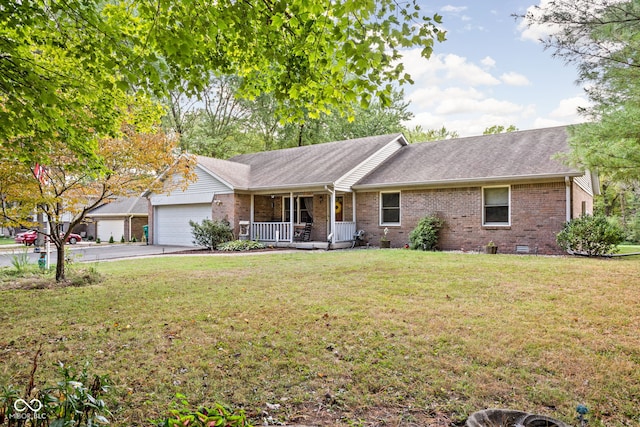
(304, 235)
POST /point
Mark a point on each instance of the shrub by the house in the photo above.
(211, 233)
(590, 235)
(425, 236)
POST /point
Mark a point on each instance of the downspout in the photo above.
(331, 238)
(567, 184)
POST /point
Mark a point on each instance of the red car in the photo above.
(29, 238)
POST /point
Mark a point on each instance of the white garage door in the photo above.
(172, 223)
(106, 228)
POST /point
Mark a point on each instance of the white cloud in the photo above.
(453, 9)
(568, 108)
(488, 62)
(460, 69)
(515, 79)
(529, 30)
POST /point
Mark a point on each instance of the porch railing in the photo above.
(345, 231)
(268, 231)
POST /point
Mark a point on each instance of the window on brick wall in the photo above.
(390, 208)
(302, 209)
(496, 205)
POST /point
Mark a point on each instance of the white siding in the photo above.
(357, 173)
(199, 191)
(172, 223)
(585, 182)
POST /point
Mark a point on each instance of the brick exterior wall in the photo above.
(581, 199)
(538, 212)
(137, 222)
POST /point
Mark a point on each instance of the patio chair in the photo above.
(304, 235)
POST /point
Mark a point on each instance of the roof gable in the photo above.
(121, 206)
(513, 155)
(312, 165)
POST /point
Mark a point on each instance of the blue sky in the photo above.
(490, 71)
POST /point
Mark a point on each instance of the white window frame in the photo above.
(380, 211)
(484, 206)
(296, 207)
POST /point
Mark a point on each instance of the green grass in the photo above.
(371, 337)
(627, 249)
(6, 240)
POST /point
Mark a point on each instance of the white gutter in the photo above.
(456, 182)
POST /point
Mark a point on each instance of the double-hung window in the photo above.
(390, 208)
(302, 209)
(496, 203)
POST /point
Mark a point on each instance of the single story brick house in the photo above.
(508, 188)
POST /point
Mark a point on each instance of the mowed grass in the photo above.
(365, 337)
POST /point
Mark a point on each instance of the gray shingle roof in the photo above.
(235, 174)
(122, 206)
(514, 155)
(312, 165)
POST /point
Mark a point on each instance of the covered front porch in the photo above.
(305, 219)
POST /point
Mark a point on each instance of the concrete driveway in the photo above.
(90, 252)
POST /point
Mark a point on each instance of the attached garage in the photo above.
(172, 222)
(107, 228)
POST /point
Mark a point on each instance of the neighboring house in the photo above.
(122, 217)
(507, 188)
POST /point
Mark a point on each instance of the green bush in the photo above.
(211, 233)
(425, 235)
(111, 240)
(240, 245)
(590, 235)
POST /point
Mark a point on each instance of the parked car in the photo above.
(29, 238)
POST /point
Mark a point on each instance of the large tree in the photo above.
(70, 187)
(603, 39)
(59, 61)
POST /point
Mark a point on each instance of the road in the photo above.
(90, 252)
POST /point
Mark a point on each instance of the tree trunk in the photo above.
(60, 276)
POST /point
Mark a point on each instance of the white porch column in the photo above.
(353, 205)
(291, 211)
(251, 216)
(333, 216)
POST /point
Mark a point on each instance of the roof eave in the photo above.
(458, 182)
(316, 186)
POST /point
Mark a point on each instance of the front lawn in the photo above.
(364, 337)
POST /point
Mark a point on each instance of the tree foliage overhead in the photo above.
(603, 39)
(60, 61)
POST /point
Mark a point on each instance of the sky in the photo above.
(490, 71)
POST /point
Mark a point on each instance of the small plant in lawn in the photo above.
(211, 233)
(20, 261)
(75, 400)
(590, 235)
(240, 245)
(185, 416)
(425, 236)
